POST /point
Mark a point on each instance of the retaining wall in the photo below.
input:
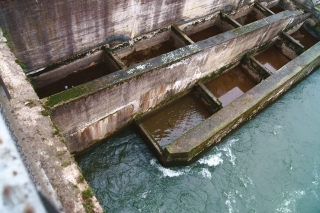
(42, 32)
(90, 112)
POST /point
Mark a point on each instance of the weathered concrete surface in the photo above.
(18, 192)
(43, 31)
(92, 111)
(185, 149)
(307, 4)
(47, 157)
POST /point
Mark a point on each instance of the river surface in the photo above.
(270, 164)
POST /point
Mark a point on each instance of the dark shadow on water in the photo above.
(205, 33)
(276, 9)
(151, 52)
(247, 19)
(74, 79)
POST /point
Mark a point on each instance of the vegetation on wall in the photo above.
(9, 44)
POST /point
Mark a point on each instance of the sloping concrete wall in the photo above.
(101, 110)
(49, 162)
(43, 31)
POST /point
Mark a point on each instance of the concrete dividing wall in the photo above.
(43, 31)
(102, 106)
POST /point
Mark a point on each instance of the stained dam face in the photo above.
(183, 75)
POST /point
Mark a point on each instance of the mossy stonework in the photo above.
(54, 45)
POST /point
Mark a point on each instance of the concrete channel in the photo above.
(185, 84)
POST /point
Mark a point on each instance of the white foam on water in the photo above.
(212, 160)
(231, 200)
(300, 193)
(144, 194)
(166, 172)
(240, 195)
(315, 194)
(227, 149)
(228, 203)
(277, 129)
(205, 173)
(316, 177)
(246, 181)
(289, 204)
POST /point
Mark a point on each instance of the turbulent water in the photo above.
(270, 164)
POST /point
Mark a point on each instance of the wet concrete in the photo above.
(272, 58)
(305, 38)
(230, 85)
(171, 121)
(205, 33)
(247, 19)
(152, 52)
(276, 9)
(74, 79)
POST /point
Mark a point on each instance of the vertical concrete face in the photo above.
(42, 32)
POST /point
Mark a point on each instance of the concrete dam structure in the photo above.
(185, 73)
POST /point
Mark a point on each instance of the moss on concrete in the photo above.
(45, 112)
(67, 95)
(117, 78)
(9, 44)
(87, 194)
(87, 202)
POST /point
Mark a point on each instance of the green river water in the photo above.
(269, 164)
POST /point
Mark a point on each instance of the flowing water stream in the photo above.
(270, 164)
